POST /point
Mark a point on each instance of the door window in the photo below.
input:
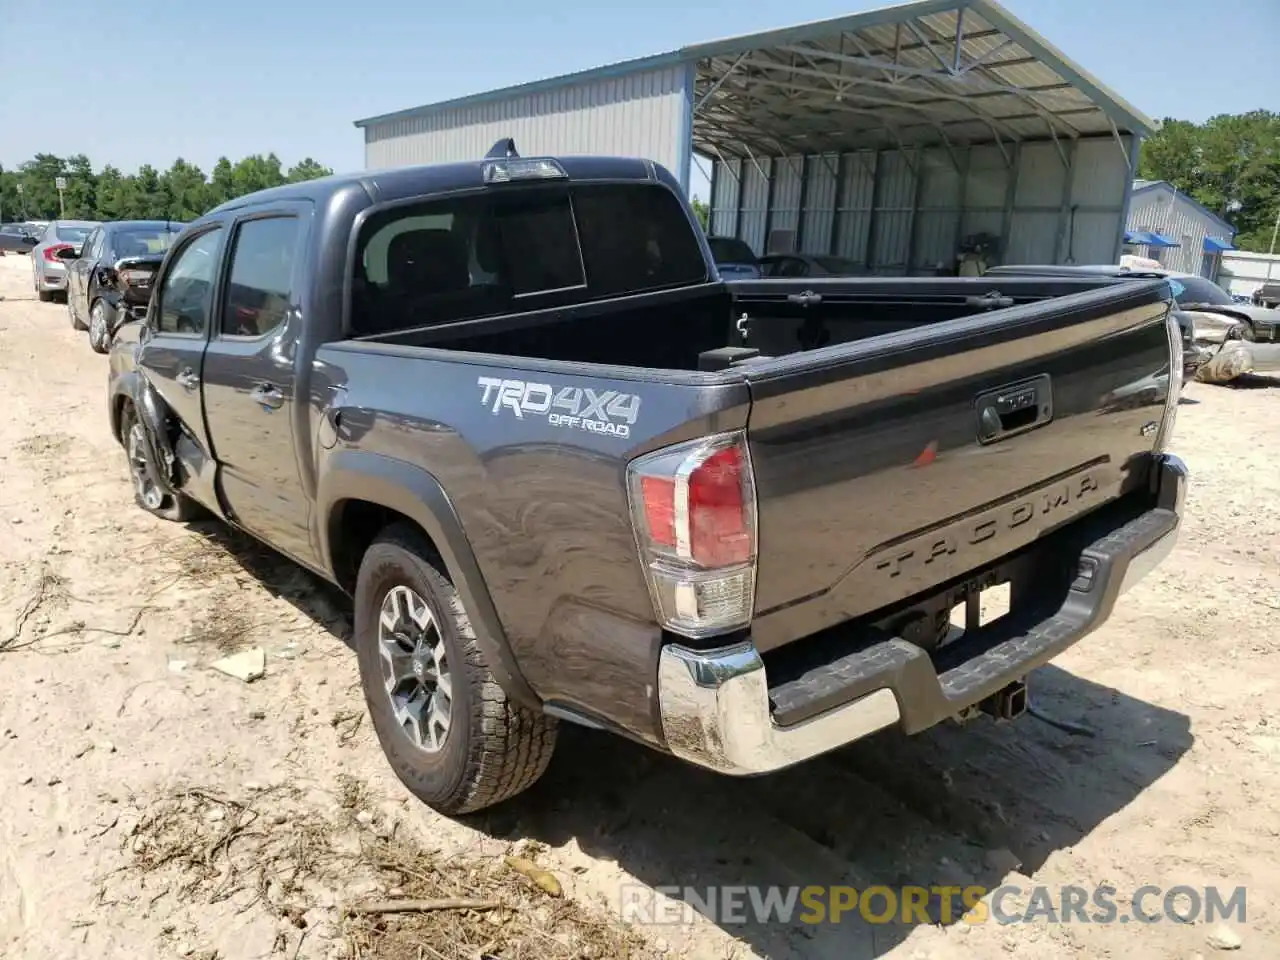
(260, 290)
(187, 289)
(92, 246)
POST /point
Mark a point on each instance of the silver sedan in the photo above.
(60, 242)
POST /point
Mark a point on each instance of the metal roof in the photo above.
(925, 73)
(928, 73)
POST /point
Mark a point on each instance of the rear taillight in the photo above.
(50, 253)
(1174, 332)
(135, 278)
(694, 510)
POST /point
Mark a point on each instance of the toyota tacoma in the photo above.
(569, 474)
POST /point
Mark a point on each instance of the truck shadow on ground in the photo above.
(317, 598)
(955, 806)
(1253, 381)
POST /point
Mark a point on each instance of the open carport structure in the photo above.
(887, 137)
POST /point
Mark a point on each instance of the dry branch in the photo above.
(421, 906)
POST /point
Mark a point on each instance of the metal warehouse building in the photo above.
(887, 137)
(1167, 225)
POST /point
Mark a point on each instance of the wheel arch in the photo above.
(361, 493)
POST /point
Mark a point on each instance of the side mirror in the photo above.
(68, 253)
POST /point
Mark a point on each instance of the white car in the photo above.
(61, 241)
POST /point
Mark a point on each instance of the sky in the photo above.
(154, 80)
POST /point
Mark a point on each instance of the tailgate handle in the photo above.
(804, 299)
(1014, 408)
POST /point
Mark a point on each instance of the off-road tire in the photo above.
(495, 748)
(178, 508)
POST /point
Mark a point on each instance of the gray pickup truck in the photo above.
(568, 474)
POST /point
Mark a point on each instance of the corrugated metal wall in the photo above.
(1243, 272)
(1170, 214)
(902, 213)
(638, 114)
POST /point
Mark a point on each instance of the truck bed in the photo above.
(873, 482)
(672, 329)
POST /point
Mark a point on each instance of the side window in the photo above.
(375, 253)
(96, 245)
(260, 289)
(520, 249)
(187, 290)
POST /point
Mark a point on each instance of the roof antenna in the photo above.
(504, 149)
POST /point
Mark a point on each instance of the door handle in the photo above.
(267, 395)
(187, 379)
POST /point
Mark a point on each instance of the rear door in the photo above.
(249, 379)
(172, 352)
(81, 273)
(887, 466)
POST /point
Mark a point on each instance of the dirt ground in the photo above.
(151, 807)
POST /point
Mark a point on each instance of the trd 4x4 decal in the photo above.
(577, 408)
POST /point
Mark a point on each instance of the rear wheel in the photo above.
(146, 493)
(44, 296)
(99, 335)
(445, 724)
(76, 322)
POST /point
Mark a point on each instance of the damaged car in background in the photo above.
(1236, 338)
(1222, 339)
(109, 278)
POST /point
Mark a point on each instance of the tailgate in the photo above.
(890, 465)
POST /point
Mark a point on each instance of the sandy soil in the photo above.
(151, 807)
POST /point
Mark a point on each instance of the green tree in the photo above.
(702, 212)
(151, 201)
(256, 172)
(182, 192)
(222, 184)
(307, 169)
(1230, 163)
(82, 188)
(38, 177)
(111, 202)
(10, 202)
(186, 191)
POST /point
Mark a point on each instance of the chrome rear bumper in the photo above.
(715, 706)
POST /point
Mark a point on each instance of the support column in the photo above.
(842, 174)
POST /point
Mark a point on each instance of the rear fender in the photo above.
(412, 491)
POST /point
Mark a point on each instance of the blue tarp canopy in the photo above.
(1149, 238)
(1217, 245)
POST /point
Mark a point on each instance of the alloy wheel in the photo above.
(98, 325)
(415, 668)
(147, 491)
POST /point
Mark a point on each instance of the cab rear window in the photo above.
(514, 249)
